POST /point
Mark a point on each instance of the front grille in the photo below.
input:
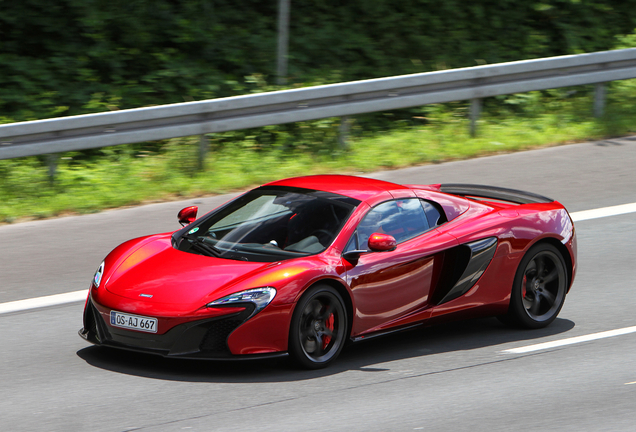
(215, 340)
(202, 338)
(90, 323)
(96, 325)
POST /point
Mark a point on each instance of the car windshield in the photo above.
(270, 224)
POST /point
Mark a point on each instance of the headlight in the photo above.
(260, 297)
(97, 279)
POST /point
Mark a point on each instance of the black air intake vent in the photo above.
(462, 268)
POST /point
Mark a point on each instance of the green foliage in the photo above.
(626, 40)
(71, 53)
(76, 56)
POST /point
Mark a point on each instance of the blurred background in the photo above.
(69, 57)
(72, 57)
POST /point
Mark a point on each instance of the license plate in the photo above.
(135, 322)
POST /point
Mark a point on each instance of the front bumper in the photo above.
(200, 339)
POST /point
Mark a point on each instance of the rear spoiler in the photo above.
(493, 192)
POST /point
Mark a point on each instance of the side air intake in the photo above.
(475, 257)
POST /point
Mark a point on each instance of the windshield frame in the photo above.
(199, 231)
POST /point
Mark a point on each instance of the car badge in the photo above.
(145, 295)
(193, 230)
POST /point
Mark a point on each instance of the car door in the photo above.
(388, 285)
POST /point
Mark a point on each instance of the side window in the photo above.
(403, 219)
(434, 215)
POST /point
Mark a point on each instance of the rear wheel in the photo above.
(538, 291)
(318, 328)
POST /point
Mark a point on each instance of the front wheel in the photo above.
(318, 328)
(538, 291)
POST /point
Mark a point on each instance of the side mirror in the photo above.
(187, 215)
(377, 243)
(382, 242)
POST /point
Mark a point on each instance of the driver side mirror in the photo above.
(187, 215)
(382, 242)
(377, 243)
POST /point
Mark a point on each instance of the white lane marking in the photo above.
(38, 302)
(75, 296)
(570, 341)
(603, 212)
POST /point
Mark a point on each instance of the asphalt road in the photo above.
(450, 377)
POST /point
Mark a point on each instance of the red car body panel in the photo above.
(355, 187)
(383, 290)
(403, 281)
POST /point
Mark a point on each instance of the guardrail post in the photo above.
(203, 151)
(343, 129)
(51, 161)
(283, 40)
(475, 110)
(599, 99)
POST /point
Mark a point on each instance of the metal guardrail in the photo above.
(334, 100)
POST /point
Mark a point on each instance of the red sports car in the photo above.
(303, 265)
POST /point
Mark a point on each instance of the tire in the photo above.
(318, 327)
(539, 288)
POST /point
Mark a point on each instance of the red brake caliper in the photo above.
(523, 289)
(329, 325)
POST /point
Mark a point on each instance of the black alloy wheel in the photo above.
(318, 327)
(539, 288)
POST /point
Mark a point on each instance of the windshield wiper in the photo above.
(199, 244)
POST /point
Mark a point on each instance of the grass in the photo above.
(128, 175)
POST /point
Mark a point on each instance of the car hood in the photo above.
(155, 272)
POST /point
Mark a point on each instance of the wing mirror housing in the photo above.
(187, 215)
(377, 243)
(382, 242)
